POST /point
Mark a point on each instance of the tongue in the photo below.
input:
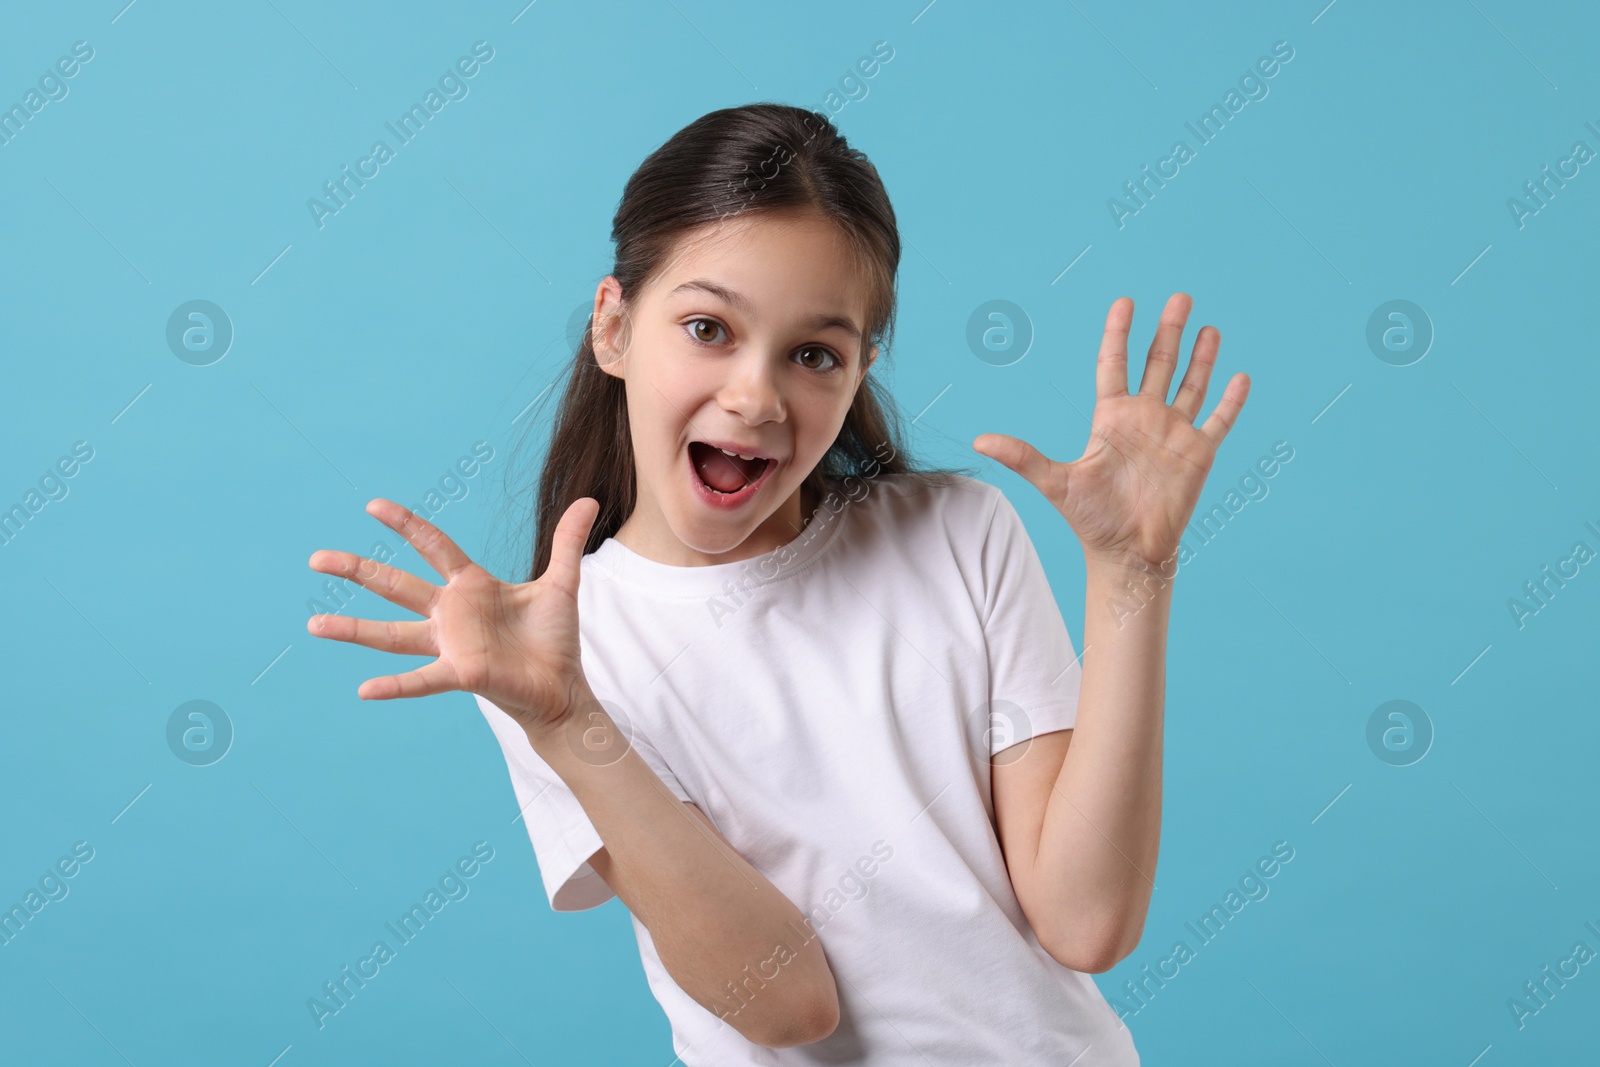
(724, 473)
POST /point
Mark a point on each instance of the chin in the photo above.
(712, 537)
(716, 535)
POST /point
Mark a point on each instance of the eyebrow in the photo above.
(819, 321)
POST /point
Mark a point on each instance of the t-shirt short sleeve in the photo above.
(1034, 670)
(563, 837)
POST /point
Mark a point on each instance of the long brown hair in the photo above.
(762, 157)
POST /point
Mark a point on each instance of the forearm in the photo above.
(717, 923)
(1101, 833)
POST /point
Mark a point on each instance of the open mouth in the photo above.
(723, 479)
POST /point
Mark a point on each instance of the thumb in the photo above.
(567, 543)
(1016, 454)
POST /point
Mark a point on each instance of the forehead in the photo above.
(783, 266)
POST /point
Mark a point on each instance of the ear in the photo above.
(872, 357)
(608, 336)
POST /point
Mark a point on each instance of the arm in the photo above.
(715, 920)
(1079, 813)
(710, 914)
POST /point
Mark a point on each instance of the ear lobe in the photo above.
(604, 338)
(606, 358)
(606, 325)
(604, 355)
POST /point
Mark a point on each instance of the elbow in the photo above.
(813, 1024)
(805, 1021)
(1094, 954)
(1091, 959)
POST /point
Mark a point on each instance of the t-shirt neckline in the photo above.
(617, 561)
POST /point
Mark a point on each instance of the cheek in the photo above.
(657, 405)
(825, 415)
(815, 433)
(664, 432)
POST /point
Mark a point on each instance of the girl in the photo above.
(810, 712)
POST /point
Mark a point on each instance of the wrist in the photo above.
(1119, 569)
(1124, 590)
(585, 730)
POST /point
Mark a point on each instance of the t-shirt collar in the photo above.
(614, 560)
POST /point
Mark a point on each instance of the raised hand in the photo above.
(515, 644)
(1131, 493)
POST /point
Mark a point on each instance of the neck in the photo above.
(782, 530)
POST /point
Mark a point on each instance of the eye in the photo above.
(694, 326)
(829, 353)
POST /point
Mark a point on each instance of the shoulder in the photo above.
(945, 533)
(942, 491)
(914, 508)
(945, 495)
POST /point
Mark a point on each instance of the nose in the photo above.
(753, 389)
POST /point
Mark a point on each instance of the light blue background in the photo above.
(432, 310)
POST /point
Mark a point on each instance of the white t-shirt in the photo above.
(828, 706)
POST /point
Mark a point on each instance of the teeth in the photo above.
(741, 455)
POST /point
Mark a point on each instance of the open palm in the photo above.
(1131, 493)
(515, 644)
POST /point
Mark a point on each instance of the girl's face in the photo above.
(749, 339)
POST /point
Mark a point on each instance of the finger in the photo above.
(435, 677)
(442, 554)
(408, 638)
(568, 542)
(1111, 369)
(391, 583)
(1021, 457)
(1192, 393)
(1227, 409)
(1162, 360)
